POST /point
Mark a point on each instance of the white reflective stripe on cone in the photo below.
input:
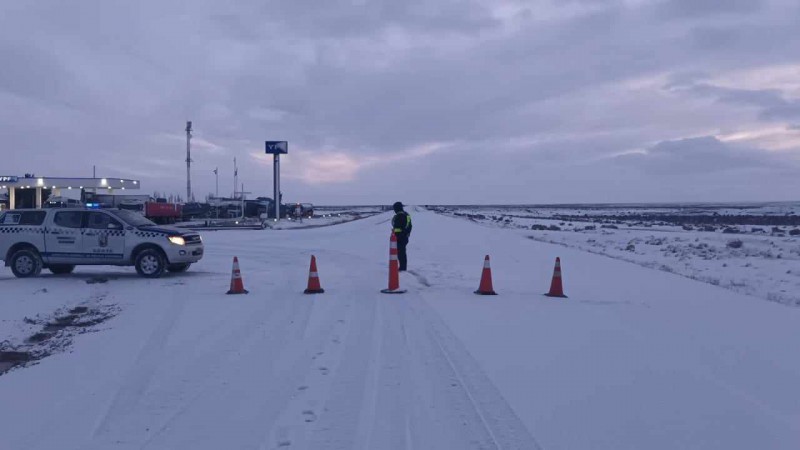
(486, 264)
(393, 244)
(313, 275)
(393, 258)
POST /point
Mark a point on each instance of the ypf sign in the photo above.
(8, 179)
(277, 148)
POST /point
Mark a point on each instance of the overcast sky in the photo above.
(423, 101)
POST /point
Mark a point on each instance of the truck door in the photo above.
(103, 238)
(63, 239)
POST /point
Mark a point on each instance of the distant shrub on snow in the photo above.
(736, 243)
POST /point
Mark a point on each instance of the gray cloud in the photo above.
(700, 155)
(770, 102)
(522, 93)
(700, 8)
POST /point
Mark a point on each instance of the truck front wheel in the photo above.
(150, 263)
(26, 263)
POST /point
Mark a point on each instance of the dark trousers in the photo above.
(402, 242)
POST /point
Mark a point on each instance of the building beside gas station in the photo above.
(31, 191)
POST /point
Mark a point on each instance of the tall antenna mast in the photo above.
(189, 161)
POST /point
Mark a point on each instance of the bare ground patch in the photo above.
(55, 334)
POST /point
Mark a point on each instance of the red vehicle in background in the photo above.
(302, 210)
(163, 213)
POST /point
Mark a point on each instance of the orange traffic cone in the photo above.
(556, 289)
(313, 279)
(486, 279)
(394, 269)
(237, 287)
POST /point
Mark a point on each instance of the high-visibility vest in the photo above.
(408, 223)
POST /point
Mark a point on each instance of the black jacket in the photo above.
(401, 224)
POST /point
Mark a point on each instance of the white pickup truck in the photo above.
(61, 238)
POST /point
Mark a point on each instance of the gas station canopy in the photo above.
(55, 186)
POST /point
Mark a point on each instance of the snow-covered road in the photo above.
(635, 358)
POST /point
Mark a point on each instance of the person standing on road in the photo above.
(401, 227)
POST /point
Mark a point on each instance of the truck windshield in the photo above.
(131, 217)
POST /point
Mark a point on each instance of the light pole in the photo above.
(243, 204)
(235, 177)
(216, 176)
(188, 161)
(216, 192)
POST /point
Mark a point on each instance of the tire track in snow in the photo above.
(342, 394)
(250, 392)
(96, 295)
(314, 368)
(176, 386)
(344, 363)
(381, 402)
(146, 362)
(366, 421)
(245, 336)
(393, 409)
(404, 381)
(503, 428)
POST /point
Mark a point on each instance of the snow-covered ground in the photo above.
(323, 217)
(635, 358)
(758, 260)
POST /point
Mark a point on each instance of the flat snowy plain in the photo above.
(635, 358)
(764, 264)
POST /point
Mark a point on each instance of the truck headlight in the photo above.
(177, 240)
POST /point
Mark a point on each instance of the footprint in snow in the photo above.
(324, 370)
(309, 416)
(284, 443)
(302, 388)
